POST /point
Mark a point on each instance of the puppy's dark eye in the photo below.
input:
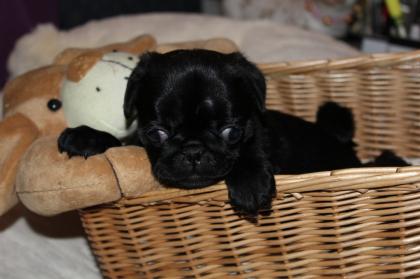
(231, 134)
(54, 104)
(156, 135)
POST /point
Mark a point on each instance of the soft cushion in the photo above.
(261, 41)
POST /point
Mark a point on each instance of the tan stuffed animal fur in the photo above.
(28, 118)
(32, 169)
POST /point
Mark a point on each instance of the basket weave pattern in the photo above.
(354, 223)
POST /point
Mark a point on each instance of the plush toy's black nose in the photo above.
(193, 153)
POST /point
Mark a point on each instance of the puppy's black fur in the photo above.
(200, 115)
(85, 141)
(298, 146)
(201, 118)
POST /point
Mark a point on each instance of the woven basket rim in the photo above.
(355, 62)
(358, 180)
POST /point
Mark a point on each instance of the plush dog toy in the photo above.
(31, 167)
(33, 110)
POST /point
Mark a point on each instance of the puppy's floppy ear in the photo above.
(250, 77)
(133, 88)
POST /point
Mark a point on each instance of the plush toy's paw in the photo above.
(251, 194)
(85, 141)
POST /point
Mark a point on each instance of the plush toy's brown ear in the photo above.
(67, 55)
(17, 133)
(44, 186)
(137, 45)
(80, 65)
(38, 83)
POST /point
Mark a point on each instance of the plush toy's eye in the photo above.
(231, 134)
(54, 104)
(157, 135)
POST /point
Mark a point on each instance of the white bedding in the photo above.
(44, 248)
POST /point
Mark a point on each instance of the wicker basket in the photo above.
(354, 223)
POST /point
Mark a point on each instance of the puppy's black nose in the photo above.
(193, 152)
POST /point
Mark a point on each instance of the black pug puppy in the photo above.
(201, 118)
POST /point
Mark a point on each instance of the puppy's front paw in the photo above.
(85, 141)
(250, 193)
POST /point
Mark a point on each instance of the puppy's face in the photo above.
(195, 109)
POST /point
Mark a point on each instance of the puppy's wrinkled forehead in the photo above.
(194, 96)
(194, 86)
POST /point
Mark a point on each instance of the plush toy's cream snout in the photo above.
(95, 97)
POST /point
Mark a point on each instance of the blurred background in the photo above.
(371, 26)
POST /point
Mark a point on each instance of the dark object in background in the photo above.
(375, 18)
(77, 12)
(17, 18)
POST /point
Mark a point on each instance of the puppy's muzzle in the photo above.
(193, 153)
